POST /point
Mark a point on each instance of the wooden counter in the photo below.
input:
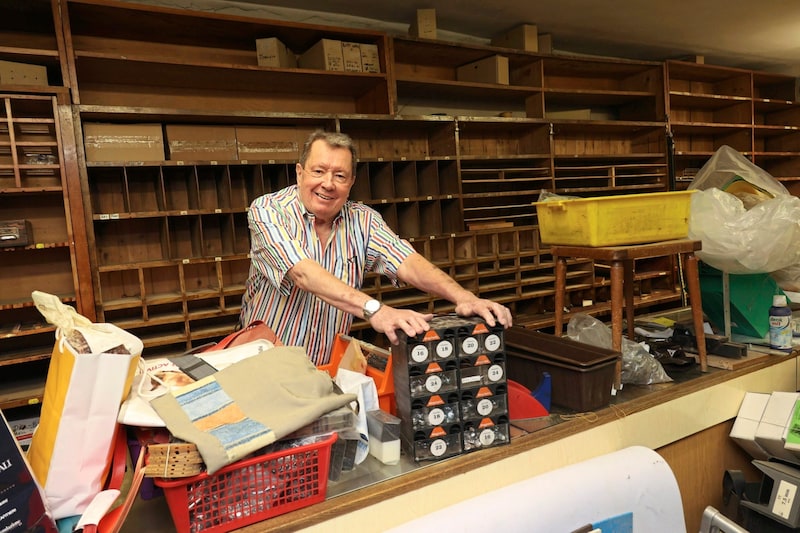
(687, 422)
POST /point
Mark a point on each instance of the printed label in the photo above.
(492, 342)
(444, 349)
(436, 417)
(433, 383)
(784, 498)
(485, 407)
(486, 437)
(419, 353)
(495, 373)
(469, 346)
(438, 447)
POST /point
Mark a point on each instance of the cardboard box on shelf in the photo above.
(545, 45)
(424, 24)
(351, 55)
(370, 60)
(326, 54)
(268, 142)
(201, 143)
(492, 69)
(12, 73)
(123, 142)
(271, 52)
(522, 37)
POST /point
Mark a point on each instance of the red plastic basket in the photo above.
(250, 490)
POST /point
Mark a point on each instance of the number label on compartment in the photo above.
(436, 417)
(419, 353)
(495, 373)
(492, 342)
(485, 407)
(470, 345)
(444, 349)
(438, 447)
(433, 383)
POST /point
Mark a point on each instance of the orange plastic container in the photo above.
(379, 368)
(250, 490)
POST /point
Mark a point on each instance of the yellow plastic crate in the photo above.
(615, 220)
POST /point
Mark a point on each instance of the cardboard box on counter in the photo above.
(744, 427)
(256, 143)
(201, 143)
(123, 142)
(272, 52)
(493, 69)
(522, 37)
(424, 24)
(12, 73)
(326, 54)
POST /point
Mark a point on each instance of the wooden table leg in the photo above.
(627, 287)
(617, 277)
(561, 289)
(695, 300)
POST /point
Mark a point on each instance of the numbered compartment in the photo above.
(439, 442)
(486, 433)
(482, 370)
(483, 401)
(435, 410)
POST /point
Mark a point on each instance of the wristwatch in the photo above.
(371, 307)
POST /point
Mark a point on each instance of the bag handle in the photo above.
(259, 326)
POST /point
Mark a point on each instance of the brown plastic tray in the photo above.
(559, 349)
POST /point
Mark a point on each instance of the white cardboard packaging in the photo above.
(744, 427)
(772, 427)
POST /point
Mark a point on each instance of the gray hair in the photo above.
(332, 139)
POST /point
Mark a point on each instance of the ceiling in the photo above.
(754, 34)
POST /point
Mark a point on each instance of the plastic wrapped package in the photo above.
(747, 220)
(639, 367)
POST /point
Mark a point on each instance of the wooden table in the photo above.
(621, 259)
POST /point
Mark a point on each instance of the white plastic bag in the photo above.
(747, 220)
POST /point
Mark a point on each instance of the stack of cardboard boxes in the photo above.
(325, 54)
(188, 142)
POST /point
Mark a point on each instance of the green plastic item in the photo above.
(750, 300)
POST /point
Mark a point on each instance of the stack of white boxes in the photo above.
(762, 424)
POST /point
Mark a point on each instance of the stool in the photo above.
(621, 259)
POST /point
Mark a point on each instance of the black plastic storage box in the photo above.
(582, 375)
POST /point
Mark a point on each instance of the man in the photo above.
(311, 248)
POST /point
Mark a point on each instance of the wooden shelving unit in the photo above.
(160, 248)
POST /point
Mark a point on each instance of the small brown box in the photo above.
(522, 37)
(268, 142)
(201, 143)
(15, 233)
(493, 69)
(123, 142)
(370, 61)
(351, 54)
(545, 43)
(12, 73)
(271, 52)
(424, 25)
(325, 55)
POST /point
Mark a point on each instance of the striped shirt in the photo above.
(282, 234)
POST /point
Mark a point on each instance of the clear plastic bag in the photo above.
(639, 367)
(747, 220)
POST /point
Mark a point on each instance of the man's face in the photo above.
(324, 183)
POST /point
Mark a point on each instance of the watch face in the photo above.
(371, 307)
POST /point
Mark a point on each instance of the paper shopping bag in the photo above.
(91, 370)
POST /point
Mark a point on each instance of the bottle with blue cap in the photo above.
(780, 324)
